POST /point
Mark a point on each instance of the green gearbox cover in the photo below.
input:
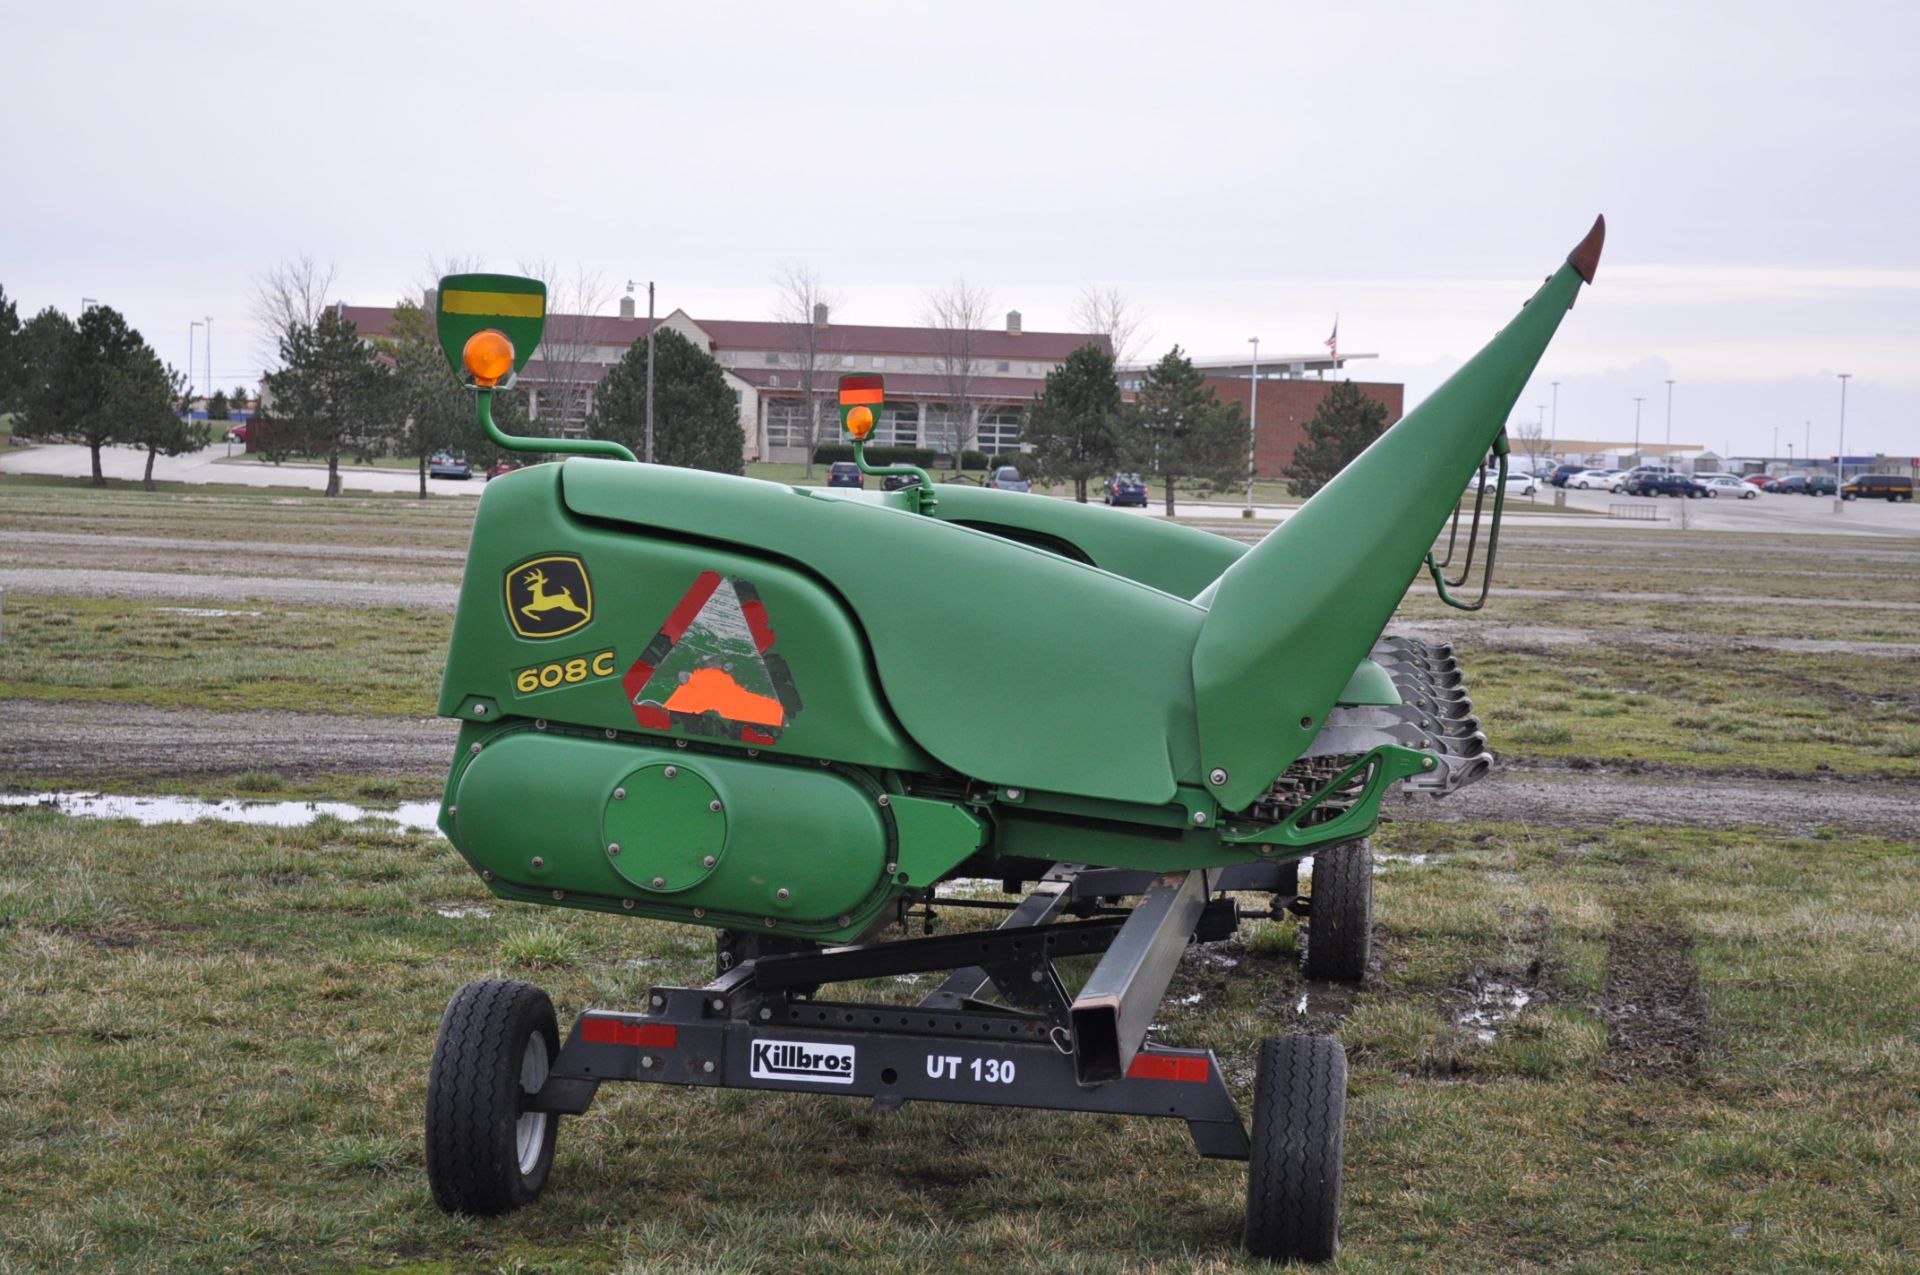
(471, 303)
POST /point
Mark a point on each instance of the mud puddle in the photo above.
(419, 815)
(1655, 1012)
(1495, 1002)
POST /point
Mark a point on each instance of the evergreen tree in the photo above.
(217, 406)
(12, 346)
(332, 394)
(696, 423)
(73, 371)
(1180, 430)
(434, 408)
(150, 400)
(1073, 424)
(1345, 425)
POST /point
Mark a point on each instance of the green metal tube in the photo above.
(1289, 621)
(569, 446)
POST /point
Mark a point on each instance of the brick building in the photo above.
(1288, 397)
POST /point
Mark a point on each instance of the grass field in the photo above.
(213, 1043)
(1589, 1046)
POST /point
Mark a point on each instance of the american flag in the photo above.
(1333, 342)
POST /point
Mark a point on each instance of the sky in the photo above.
(1236, 170)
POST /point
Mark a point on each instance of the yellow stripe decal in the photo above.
(514, 305)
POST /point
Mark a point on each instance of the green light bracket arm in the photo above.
(922, 493)
(565, 446)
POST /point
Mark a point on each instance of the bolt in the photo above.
(1217, 776)
(611, 732)
(846, 920)
(479, 710)
(1036, 975)
(1013, 794)
(765, 1014)
(619, 794)
(538, 862)
(707, 1066)
(679, 743)
(452, 811)
(709, 861)
(892, 868)
(539, 723)
(770, 922)
(626, 903)
(781, 893)
(719, 1005)
(1428, 763)
(559, 894)
(1305, 722)
(885, 800)
(659, 883)
(646, 1062)
(1266, 849)
(673, 772)
(699, 912)
(475, 750)
(714, 805)
(485, 875)
(753, 752)
(658, 1002)
(614, 848)
(1200, 818)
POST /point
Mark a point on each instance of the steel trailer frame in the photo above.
(757, 1025)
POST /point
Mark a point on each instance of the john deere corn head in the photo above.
(792, 714)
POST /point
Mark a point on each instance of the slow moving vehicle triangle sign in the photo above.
(708, 671)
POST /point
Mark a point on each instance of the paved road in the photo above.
(206, 466)
(1809, 515)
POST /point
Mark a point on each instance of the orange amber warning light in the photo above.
(488, 356)
(860, 421)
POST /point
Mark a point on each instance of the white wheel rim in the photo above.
(530, 1131)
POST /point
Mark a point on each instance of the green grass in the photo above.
(213, 1043)
(380, 661)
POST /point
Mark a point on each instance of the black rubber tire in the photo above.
(1299, 1130)
(475, 1099)
(1340, 920)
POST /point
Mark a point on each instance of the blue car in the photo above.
(1007, 478)
(1126, 489)
(447, 465)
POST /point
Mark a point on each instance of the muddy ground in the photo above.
(75, 744)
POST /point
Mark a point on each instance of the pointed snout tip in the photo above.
(1585, 257)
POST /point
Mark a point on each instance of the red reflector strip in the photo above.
(614, 1031)
(1168, 1067)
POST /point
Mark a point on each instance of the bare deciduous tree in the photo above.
(956, 314)
(803, 309)
(287, 295)
(1529, 440)
(1107, 310)
(568, 370)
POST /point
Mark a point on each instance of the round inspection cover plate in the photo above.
(667, 826)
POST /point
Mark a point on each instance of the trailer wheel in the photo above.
(486, 1153)
(1293, 1174)
(1340, 921)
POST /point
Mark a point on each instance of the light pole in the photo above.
(1636, 429)
(86, 302)
(1807, 451)
(209, 359)
(1253, 420)
(1555, 438)
(1776, 443)
(1840, 461)
(1669, 456)
(192, 385)
(650, 372)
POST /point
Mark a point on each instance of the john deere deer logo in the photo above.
(548, 596)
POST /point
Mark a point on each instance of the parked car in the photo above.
(1822, 485)
(1759, 481)
(1007, 478)
(1563, 475)
(1726, 484)
(501, 466)
(1517, 484)
(447, 465)
(845, 473)
(238, 434)
(1892, 487)
(1126, 489)
(894, 482)
(1586, 478)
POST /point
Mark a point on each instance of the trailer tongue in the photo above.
(712, 700)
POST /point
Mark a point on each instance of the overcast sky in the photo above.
(1237, 170)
